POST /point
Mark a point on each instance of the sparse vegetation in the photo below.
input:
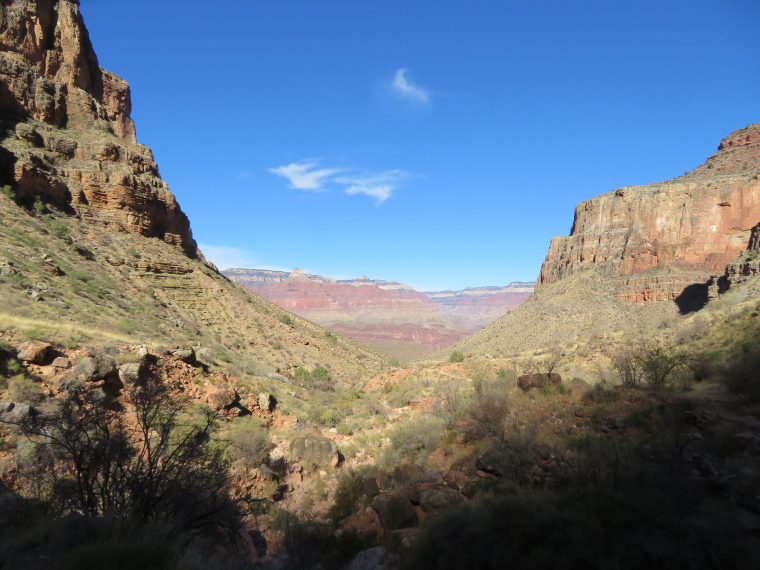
(456, 356)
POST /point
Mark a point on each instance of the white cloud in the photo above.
(304, 175)
(407, 90)
(379, 186)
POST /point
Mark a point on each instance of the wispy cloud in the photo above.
(305, 175)
(407, 90)
(379, 185)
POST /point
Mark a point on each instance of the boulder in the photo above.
(396, 512)
(320, 450)
(438, 500)
(383, 481)
(61, 362)
(13, 412)
(34, 351)
(466, 465)
(99, 367)
(223, 398)
(186, 355)
(407, 474)
(68, 383)
(456, 479)
(432, 476)
(129, 372)
(578, 384)
(206, 354)
(267, 403)
(368, 486)
(530, 381)
(377, 558)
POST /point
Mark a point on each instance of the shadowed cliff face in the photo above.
(67, 136)
(698, 222)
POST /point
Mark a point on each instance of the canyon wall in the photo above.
(664, 237)
(378, 310)
(66, 133)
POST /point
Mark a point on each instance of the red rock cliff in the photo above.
(73, 141)
(698, 222)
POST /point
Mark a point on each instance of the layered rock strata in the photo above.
(747, 265)
(67, 136)
(378, 310)
(698, 222)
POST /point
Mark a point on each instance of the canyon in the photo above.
(383, 311)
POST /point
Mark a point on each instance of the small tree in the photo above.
(449, 401)
(659, 362)
(627, 363)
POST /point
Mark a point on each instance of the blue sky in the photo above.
(437, 143)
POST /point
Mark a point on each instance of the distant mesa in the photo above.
(377, 311)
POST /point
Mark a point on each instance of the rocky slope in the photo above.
(380, 311)
(667, 236)
(68, 138)
(80, 200)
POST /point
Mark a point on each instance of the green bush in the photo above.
(302, 374)
(456, 356)
(9, 192)
(414, 439)
(346, 498)
(288, 320)
(320, 374)
(249, 441)
(25, 390)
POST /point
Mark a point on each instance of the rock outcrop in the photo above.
(698, 222)
(68, 138)
(747, 265)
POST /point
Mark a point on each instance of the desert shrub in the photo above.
(346, 498)
(586, 529)
(320, 374)
(741, 373)
(287, 319)
(302, 374)
(414, 439)
(9, 192)
(659, 362)
(449, 401)
(488, 411)
(628, 366)
(159, 464)
(249, 441)
(25, 390)
(456, 356)
(513, 456)
(601, 393)
(404, 393)
(58, 229)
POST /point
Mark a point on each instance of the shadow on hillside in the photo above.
(692, 298)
